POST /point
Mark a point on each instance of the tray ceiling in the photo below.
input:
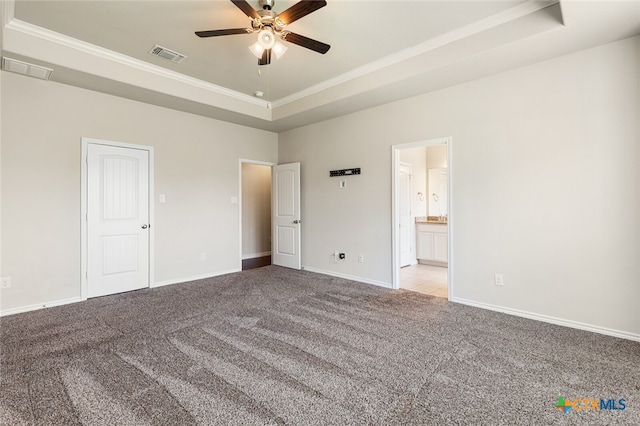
(381, 51)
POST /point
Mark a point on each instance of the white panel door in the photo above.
(406, 240)
(286, 215)
(117, 219)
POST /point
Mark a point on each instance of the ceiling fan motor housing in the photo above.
(266, 4)
(268, 18)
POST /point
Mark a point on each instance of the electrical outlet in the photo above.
(203, 256)
(338, 256)
(499, 279)
(361, 259)
(5, 282)
(343, 184)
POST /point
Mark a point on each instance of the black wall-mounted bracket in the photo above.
(344, 172)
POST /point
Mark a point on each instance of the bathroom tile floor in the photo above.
(425, 279)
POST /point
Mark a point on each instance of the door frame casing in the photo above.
(84, 198)
(241, 162)
(395, 209)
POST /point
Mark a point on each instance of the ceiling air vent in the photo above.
(165, 53)
(25, 68)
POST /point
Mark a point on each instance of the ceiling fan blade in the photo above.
(266, 57)
(216, 33)
(246, 8)
(307, 42)
(300, 9)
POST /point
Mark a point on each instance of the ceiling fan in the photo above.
(271, 27)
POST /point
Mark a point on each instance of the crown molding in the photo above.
(102, 53)
(7, 10)
(458, 34)
(470, 30)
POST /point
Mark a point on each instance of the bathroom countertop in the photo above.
(431, 219)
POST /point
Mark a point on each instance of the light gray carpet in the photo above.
(276, 346)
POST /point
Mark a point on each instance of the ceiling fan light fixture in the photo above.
(279, 49)
(266, 38)
(256, 49)
(270, 27)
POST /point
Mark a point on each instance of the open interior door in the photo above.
(406, 234)
(286, 221)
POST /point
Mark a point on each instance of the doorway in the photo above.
(429, 227)
(270, 222)
(117, 217)
(255, 201)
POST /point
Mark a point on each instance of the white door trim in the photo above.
(84, 207)
(241, 162)
(395, 210)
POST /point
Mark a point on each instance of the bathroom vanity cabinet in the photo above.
(432, 245)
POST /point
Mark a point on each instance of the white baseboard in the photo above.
(495, 308)
(550, 319)
(79, 299)
(254, 255)
(348, 277)
(39, 306)
(194, 278)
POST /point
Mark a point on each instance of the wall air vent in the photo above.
(25, 68)
(165, 53)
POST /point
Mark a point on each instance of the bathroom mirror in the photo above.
(437, 182)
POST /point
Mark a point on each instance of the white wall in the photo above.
(536, 151)
(256, 210)
(196, 167)
(436, 157)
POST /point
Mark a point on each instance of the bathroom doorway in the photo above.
(428, 228)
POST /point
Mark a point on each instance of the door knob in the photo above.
(297, 221)
(144, 226)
